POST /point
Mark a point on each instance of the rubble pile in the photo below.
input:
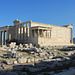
(29, 60)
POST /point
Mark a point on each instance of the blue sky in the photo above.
(56, 12)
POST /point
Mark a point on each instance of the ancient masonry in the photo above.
(37, 33)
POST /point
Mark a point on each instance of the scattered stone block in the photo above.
(22, 60)
(4, 66)
(26, 45)
(28, 60)
(30, 45)
(4, 46)
(12, 45)
(8, 61)
(50, 57)
(1, 55)
(21, 46)
(15, 55)
(15, 62)
(32, 59)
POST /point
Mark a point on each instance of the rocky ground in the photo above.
(28, 60)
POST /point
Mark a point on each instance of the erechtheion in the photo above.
(37, 33)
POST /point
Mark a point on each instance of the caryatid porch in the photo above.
(42, 32)
(39, 34)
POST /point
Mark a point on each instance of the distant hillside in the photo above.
(74, 40)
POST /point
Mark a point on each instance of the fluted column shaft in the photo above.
(71, 35)
(17, 32)
(26, 30)
(34, 33)
(4, 38)
(50, 33)
(38, 32)
(20, 32)
(23, 33)
(42, 33)
(30, 30)
(1, 38)
(46, 33)
(7, 36)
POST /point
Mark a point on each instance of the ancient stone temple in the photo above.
(37, 33)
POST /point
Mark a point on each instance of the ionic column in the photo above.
(46, 33)
(34, 33)
(26, 30)
(50, 33)
(17, 32)
(20, 32)
(71, 35)
(4, 38)
(1, 38)
(23, 33)
(31, 33)
(42, 33)
(7, 36)
(30, 29)
(38, 32)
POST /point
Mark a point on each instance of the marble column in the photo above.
(38, 32)
(46, 33)
(20, 32)
(31, 33)
(4, 38)
(7, 36)
(26, 30)
(17, 32)
(23, 33)
(1, 38)
(50, 33)
(42, 33)
(71, 35)
(34, 33)
(30, 30)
